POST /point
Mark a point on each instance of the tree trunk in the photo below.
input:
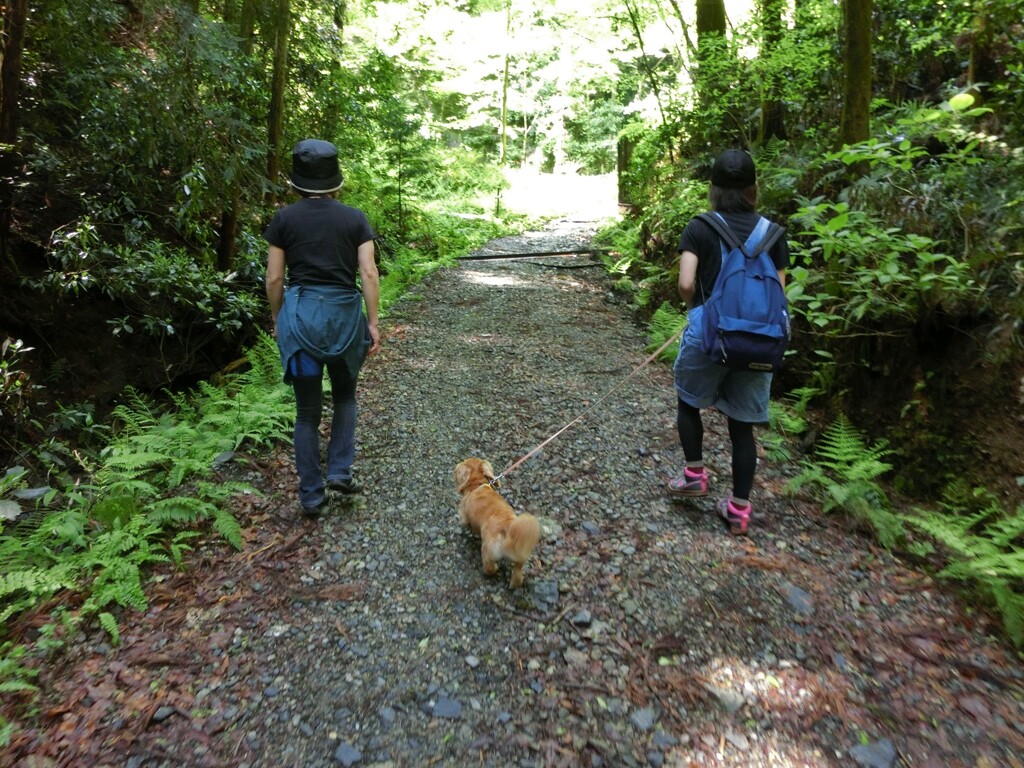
(773, 109)
(624, 156)
(247, 26)
(711, 28)
(275, 118)
(710, 18)
(982, 69)
(855, 122)
(503, 138)
(15, 16)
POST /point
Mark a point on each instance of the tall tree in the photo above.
(711, 27)
(503, 139)
(982, 68)
(773, 110)
(711, 18)
(15, 16)
(855, 121)
(282, 24)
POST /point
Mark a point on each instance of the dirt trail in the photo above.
(645, 635)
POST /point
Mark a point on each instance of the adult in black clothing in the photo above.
(323, 246)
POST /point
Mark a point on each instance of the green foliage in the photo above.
(785, 423)
(15, 678)
(152, 488)
(14, 386)
(843, 477)
(109, 623)
(184, 308)
(982, 542)
(869, 275)
(666, 323)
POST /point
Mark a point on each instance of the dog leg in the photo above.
(490, 563)
(517, 575)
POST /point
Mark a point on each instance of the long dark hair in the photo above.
(726, 200)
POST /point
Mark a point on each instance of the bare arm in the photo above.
(370, 281)
(687, 276)
(275, 280)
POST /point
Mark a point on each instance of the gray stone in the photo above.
(582, 619)
(799, 600)
(644, 719)
(446, 708)
(877, 754)
(347, 755)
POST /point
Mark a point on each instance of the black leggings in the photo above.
(741, 435)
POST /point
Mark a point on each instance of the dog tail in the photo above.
(523, 535)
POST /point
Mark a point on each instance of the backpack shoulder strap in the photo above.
(772, 236)
(721, 227)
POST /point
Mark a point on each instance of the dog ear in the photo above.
(462, 473)
(487, 469)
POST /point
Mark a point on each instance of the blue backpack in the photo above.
(746, 317)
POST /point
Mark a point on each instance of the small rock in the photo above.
(737, 739)
(347, 755)
(664, 740)
(446, 708)
(643, 719)
(878, 754)
(572, 656)
(731, 701)
(163, 713)
(799, 600)
(582, 619)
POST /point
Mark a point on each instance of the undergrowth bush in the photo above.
(146, 497)
(843, 476)
(981, 542)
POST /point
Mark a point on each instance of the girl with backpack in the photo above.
(700, 381)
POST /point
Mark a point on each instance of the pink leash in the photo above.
(644, 364)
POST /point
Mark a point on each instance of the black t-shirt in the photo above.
(701, 239)
(320, 238)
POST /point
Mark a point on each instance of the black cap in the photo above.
(315, 167)
(733, 169)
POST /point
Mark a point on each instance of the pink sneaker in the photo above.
(737, 518)
(690, 483)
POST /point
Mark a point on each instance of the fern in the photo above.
(843, 477)
(666, 322)
(982, 543)
(152, 488)
(109, 623)
(227, 526)
(784, 423)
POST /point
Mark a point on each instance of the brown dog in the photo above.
(503, 535)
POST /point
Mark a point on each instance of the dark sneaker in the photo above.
(314, 512)
(689, 484)
(345, 486)
(736, 517)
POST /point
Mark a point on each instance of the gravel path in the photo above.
(644, 635)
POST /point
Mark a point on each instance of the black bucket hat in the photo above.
(315, 167)
(733, 169)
